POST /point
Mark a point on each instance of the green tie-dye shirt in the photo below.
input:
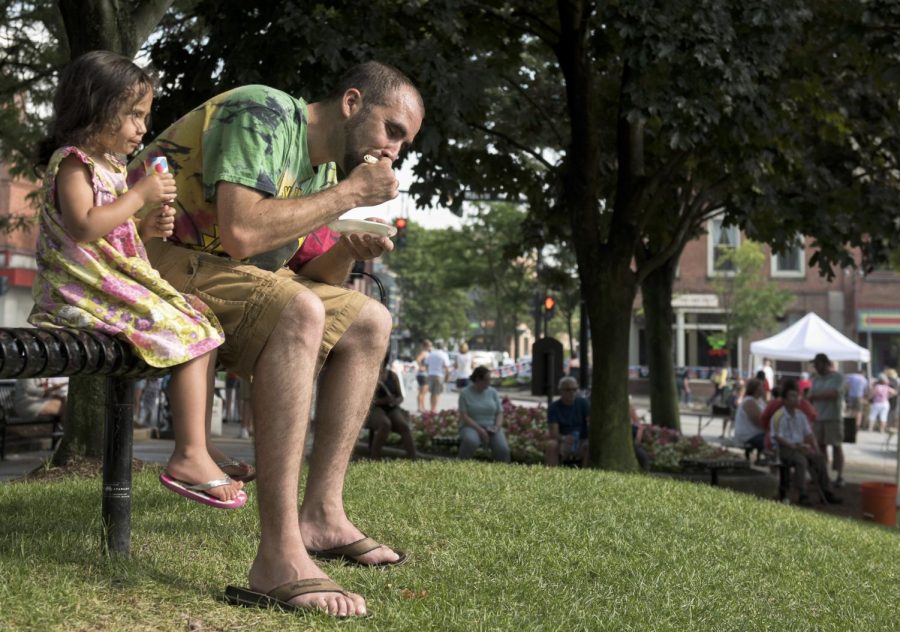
(254, 136)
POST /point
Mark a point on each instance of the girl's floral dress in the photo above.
(108, 285)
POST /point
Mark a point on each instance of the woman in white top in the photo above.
(463, 366)
(747, 427)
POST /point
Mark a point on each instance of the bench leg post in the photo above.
(117, 454)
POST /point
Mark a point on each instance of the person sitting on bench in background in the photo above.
(41, 397)
(747, 427)
(386, 414)
(797, 446)
(567, 419)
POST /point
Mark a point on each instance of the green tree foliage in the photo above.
(750, 301)
(449, 278)
(503, 279)
(37, 38)
(30, 53)
(432, 303)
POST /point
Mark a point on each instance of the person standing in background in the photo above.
(894, 383)
(422, 374)
(857, 386)
(463, 366)
(881, 406)
(827, 395)
(437, 365)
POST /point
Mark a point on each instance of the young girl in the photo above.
(93, 271)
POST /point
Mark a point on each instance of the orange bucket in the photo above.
(879, 502)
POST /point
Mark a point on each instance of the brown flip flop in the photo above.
(352, 552)
(239, 465)
(279, 596)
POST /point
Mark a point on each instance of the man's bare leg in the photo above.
(346, 385)
(282, 387)
(434, 401)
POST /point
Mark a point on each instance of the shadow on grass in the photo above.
(58, 524)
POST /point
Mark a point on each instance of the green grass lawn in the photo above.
(494, 548)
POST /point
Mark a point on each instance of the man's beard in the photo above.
(353, 153)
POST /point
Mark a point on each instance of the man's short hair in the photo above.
(788, 386)
(376, 81)
(568, 380)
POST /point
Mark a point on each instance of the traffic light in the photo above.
(400, 224)
(549, 307)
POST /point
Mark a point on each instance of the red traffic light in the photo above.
(549, 303)
(400, 223)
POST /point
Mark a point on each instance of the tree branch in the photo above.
(691, 218)
(544, 114)
(511, 141)
(146, 17)
(545, 33)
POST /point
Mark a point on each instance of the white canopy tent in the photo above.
(807, 337)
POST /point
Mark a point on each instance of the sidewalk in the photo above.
(865, 460)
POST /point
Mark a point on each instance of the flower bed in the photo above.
(525, 426)
(526, 431)
(667, 447)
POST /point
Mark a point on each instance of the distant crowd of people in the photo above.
(800, 418)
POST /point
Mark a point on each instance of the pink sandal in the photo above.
(197, 492)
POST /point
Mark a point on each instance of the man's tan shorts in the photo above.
(436, 384)
(828, 432)
(248, 301)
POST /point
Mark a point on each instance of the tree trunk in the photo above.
(120, 27)
(656, 291)
(610, 302)
(85, 413)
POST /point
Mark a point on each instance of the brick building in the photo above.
(17, 267)
(865, 308)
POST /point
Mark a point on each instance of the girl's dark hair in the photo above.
(480, 373)
(91, 91)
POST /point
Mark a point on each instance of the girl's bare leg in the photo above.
(189, 399)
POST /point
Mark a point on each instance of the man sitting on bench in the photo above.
(568, 419)
(797, 446)
(41, 397)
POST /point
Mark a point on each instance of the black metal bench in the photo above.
(445, 442)
(26, 353)
(714, 466)
(47, 426)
